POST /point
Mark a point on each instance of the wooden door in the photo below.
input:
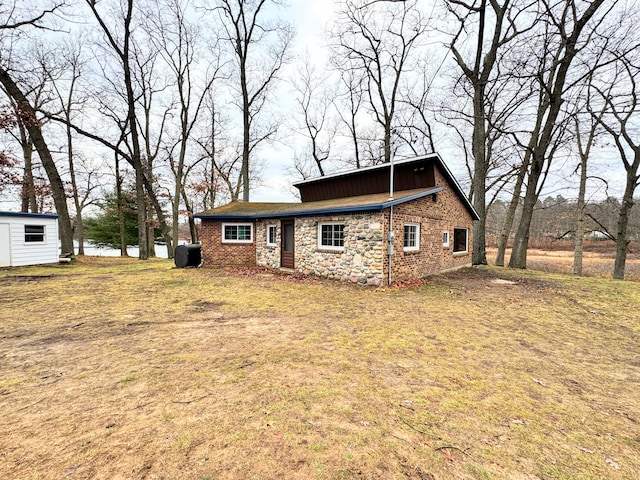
(287, 244)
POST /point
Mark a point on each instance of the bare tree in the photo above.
(351, 102)
(13, 21)
(622, 117)
(260, 46)
(73, 63)
(176, 39)
(222, 162)
(315, 102)
(498, 21)
(21, 134)
(378, 41)
(585, 140)
(120, 44)
(414, 122)
(562, 39)
(29, 119)
(151, 86)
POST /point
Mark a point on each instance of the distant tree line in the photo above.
(554, 219)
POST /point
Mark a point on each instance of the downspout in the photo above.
(391, 235)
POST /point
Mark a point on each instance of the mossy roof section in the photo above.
(250, 210)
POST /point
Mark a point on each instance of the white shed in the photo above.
(28, 239)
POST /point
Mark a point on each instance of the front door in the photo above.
(287, 244)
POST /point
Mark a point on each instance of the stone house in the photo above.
(350, 227)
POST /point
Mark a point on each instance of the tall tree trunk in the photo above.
(119, 200)
(28, 194)
(29, 203)
(511, 213)
(478, 74)
(29, 118)
(193, 230)
(387, 142)
(123, 52)
(479, 254)
(549, 108)
(583, 152)
(246, 122)
(151, 243)
(579, 230)
(179, 174)
(79, 228)
(162, 221)
(622, 241)
(521, 241)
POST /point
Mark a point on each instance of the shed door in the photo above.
(5, 245)
(287, 244)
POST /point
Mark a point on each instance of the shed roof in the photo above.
(361, 203)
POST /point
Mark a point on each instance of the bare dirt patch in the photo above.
(156, 372)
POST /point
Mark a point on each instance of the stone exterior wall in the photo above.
(445, 214)
(266, 255)
(362, 258)
(360, 261)
(218, 254)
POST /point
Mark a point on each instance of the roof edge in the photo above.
(28, 215)
(379, 166)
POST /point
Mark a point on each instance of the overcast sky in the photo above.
(311, 19)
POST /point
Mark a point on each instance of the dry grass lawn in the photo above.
(120, 369)
(595, 263)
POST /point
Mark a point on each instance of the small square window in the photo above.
(237, 232)
(331, 236)
(411, 236)
(445, 239)
(460, 240)
(272, 235)
(34, 233)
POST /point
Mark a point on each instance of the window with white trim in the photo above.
(34, 233)
(411, 237)
(272, 235)
(331, 236)
(460, 240)
(445, 239)
(237, 233)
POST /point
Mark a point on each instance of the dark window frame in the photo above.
(34, 233)
(460, 240)
(236, 233)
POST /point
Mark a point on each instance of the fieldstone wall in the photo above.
(362, 258)
(267, 256)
